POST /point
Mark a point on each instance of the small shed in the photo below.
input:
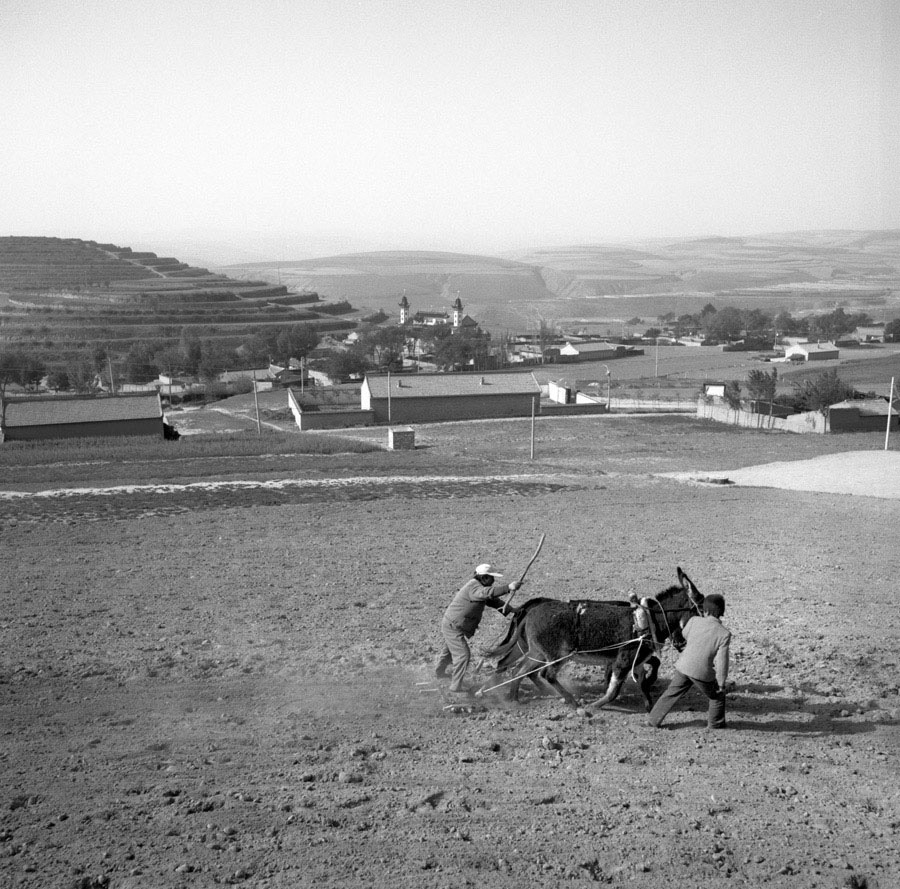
(401, 438)
(45, 418)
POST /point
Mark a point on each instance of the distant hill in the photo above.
(63, 294)
(497, 292)
(609, 283)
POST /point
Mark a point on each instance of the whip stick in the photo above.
(522, 578)
(511, 593)
(536, 552)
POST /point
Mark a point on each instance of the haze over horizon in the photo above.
(236, 132)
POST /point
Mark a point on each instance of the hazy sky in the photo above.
(314, 126)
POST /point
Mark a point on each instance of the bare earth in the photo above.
(862, 473)
(231, 684)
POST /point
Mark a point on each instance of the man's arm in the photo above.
(721, 662)
(496, 600)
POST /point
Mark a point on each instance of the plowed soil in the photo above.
(232, 684)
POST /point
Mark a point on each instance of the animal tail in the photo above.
(514, 631)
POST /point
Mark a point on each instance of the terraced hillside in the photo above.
(65, 294)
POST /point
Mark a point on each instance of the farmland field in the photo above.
(222, 683)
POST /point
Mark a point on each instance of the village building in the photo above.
(429, 398)
(436, 319)
(862, 415)
(872, 334)
(30, 419)
(573, 351)
(812, 352)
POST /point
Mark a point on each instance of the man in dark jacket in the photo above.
(461, 620)
(703, 664)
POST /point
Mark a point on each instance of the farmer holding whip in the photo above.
(463, 615)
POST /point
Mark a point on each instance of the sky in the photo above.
(264, 129)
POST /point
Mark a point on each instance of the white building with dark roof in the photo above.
(429, 398)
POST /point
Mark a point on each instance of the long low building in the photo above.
(43, 418)
(430, 398)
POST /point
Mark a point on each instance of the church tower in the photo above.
(404, 310)
(457, 312)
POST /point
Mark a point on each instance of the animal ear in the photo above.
(682, 577)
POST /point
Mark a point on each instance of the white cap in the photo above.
(487, 568)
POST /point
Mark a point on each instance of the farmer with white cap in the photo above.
(461, 620)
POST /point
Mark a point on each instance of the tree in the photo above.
(892, 331)
(192, 351)
(724, 325)
(461, 349)
(833, 325)
(787, 325)
(171, 360)
(216, 357)
(547, 331)
(255, 350)
(140, 365)
(58, 379)
(82, 372)
(385, 346)
(761, 386)
(347, 365)
(822, 391)
(732, 395)
(293, 341)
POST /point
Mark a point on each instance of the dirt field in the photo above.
(232, 684)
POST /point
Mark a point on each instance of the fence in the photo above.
(811, 421)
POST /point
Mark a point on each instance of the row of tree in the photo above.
(383, 348)
(378, 347)
(815, 393)
(730, 323)
(192, 356)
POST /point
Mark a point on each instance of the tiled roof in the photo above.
(817, 347)
(431, 385)
(54, 411)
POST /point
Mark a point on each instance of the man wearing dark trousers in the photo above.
(703, 664)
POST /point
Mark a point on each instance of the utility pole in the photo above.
(533, 402)
(112, 382)
(887, 434)
(256, 402)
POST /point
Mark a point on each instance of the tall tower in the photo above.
(457, 311)
(404, 310)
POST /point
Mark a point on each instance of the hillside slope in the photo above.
(63, 294)
(800, 272)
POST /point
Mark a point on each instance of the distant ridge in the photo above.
(612, 282)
